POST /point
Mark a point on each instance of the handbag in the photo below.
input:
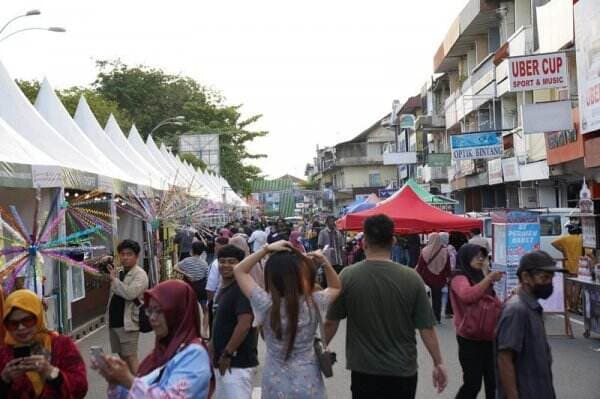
(143, 321)
(480, 319)
(325, 357)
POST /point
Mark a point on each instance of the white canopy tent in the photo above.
(136, 141)
(51, 108)
(18, 112)
(88, 123)
(177, 180)
(116, 135)
(15, 149)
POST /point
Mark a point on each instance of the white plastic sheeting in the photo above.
(51, 108)
(116, 135)
(88, 123)
(18, 112)
(15, 149)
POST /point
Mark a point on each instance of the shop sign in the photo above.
(495, 171)
(558, 139)
(407, 121)
(547, 117)
(537, 72)
(440, 159)
(510, 169)
(587, 20)
(589, 232)
(477, 145)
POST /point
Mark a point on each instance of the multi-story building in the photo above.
(474, 59)
(354, 168)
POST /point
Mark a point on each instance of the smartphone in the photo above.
(96, 353)
(22, 351)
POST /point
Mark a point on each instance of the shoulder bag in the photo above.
(143, 321)
(325, 357)
(480, 319)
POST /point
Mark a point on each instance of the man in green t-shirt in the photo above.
(384, 303)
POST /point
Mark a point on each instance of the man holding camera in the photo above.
(126, 288)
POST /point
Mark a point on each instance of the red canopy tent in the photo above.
(411, 215)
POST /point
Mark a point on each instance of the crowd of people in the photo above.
(291, 286)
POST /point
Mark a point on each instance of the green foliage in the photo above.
(30, 88)
(193, 160)
(101, 106)
(148, 96)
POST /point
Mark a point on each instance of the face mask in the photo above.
(543, 291)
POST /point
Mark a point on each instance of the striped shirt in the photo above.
(195, 267)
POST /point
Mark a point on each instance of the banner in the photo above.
(510, 169)
(495, 171)
(537, 72)
(439, 159)
(587, 35)
(478, 145)
(521, 238)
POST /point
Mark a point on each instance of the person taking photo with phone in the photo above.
(36, 362)
(476, 312)
(178, 366)
(289, 310)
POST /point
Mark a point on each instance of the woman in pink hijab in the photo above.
(434, 268)
(295, 241)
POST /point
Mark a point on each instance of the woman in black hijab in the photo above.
(470, 288)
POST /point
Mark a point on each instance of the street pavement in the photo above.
(576, 363)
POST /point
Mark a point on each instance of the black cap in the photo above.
(538, 260)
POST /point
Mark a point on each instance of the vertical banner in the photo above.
(587, 36)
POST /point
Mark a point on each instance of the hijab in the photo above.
(29, 302)
(434, 254)
(257, 271)
(463, 263)
(179, 305)
(239, 241)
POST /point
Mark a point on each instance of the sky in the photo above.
(319, 71)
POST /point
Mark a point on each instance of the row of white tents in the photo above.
(78, 153)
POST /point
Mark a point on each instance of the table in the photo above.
(591, 305)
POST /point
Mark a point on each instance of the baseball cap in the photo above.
(538, 260)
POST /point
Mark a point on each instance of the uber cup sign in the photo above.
(537, 72)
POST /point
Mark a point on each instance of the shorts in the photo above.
(124, 343)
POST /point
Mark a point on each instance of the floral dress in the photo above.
(298, 377)
(186, 376)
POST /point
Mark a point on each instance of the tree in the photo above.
(150, 95)
(101, 106)
(193, 160)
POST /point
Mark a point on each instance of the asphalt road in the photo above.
(576, 363)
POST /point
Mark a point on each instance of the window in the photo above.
(374, 179)
(550, 225)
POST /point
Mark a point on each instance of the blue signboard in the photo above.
(386, 193)
(477, 145)
(521, 238)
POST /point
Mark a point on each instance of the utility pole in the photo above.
(394, 122)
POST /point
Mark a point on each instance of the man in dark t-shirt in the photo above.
(234, 339)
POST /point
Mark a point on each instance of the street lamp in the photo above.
(50, 29)
(27, 14)
(176, 120)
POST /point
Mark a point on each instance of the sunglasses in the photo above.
(26, 322)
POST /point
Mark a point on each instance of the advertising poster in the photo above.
(499, 244)
(521, 238)
(587, 36)
(537, 72)
(478, 145)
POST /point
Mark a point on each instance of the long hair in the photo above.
(289, 277)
